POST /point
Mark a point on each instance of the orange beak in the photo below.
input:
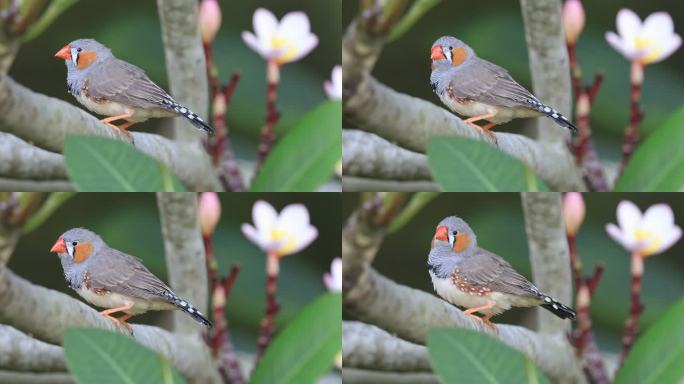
(59, 247)
(442, 233)
(436, 53)
(64, 53)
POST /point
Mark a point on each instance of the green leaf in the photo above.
(96, 164)
(418, 9)
(97, 356)
(464, 356)
(465, 165)
(56, 8)
(54, 201)
(306, 348)
(658, 353)
(305, 158)
(658, 163)
(418, 201)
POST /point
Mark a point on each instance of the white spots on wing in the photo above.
(547, 299)
(191, 310)
(555, 306)
(183, 110)
(547, 109)
(555, 115)
(183, 304)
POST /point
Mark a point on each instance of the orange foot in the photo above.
(484, 319)
(121, 321)
(121, 128)
(485, 128)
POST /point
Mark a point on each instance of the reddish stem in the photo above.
(583, 148)
(272, 307)
(637, 307)
(272, 115)
(583, 337)
(635, 114)
(220, 341)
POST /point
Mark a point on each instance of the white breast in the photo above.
(449, 292)
(115, 300)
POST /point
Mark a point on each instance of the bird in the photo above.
(111, 279)
(468, 276)
(112, 87)
(474, 87)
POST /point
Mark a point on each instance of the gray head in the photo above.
(449, 51)
(453, 240)
(76, 245)
(81, 55)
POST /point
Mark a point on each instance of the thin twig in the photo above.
(635, 114)
(224, 157)
(272, 115)
(636, 308)
(272, 307)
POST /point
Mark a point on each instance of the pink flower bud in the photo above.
(573, 20)
(209, 212)
(573, 212)
(209, 20)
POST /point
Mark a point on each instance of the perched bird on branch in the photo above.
(474, 87)
(471, 277)
(112, 279)
(112, 87)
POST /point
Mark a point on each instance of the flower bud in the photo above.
(573, 20)
(573, 212)
(209, 20)
(209, 212)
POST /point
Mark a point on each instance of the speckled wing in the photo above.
(120, 273)
(121, 82)
(485, 82)
(485, 269)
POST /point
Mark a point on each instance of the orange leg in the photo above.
(485, 128)
(121, 320)
(484, 319)
(121, 128)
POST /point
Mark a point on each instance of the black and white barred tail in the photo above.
(552, 113)
(190, 115)
(558, 309)
(186, 307)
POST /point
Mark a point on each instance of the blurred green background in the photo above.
(130, 28)
(129, 222)
(494, 29)
(498, 221)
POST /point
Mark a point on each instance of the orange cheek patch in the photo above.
(461, 243)
(458, 56)
(85, 59)
(82, 252)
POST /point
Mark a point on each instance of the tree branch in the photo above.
(20, 352)
(46, 314)
(185, 257)
(21, 160)
(36, 186)
(549, 65)
(362, 376)
(46, 121)
(36, 378)
(410, 314)
(368, 347)
(549, 255)
(368, 155)
(185, 63)
(361, 184)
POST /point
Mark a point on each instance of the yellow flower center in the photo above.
(642, 43)
(288, 49)
(286, 240)
(651, 241)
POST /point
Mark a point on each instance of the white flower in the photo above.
(283, 234)
(333, 279)
(333, 87)
(283, 42)
(647, 234)
(648, 42)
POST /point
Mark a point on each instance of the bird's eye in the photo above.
(450, 47)
(79, 49)
(454, 233)
(74, 243)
